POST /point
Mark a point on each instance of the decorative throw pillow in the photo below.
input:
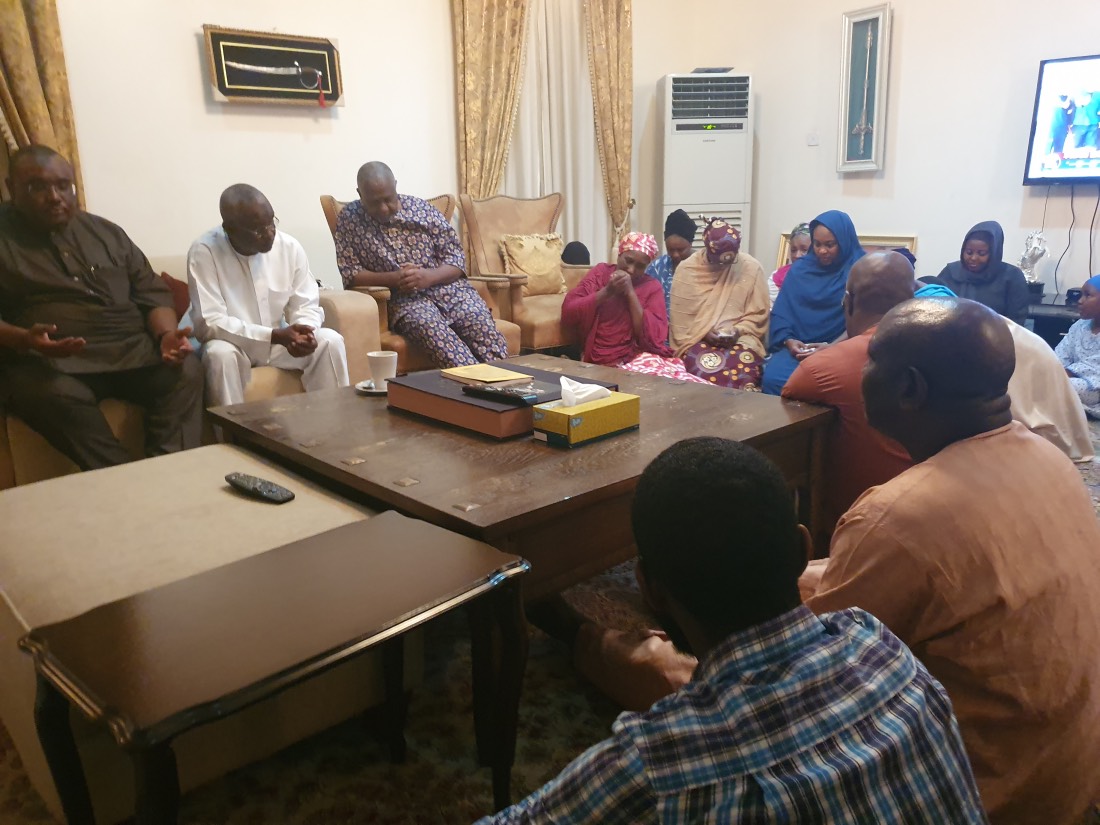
(539, 258)
(181, 298)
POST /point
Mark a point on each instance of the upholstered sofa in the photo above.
(25, 456)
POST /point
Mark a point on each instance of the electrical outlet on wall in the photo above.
(812, 139)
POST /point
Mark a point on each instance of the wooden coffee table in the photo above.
(566, 511)
(156, 664)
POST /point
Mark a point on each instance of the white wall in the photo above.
(962, 85)
(157, 150)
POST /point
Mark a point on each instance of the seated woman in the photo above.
(680, 231)
(982, 276)
(798, 246)
(1079, 351)
(619, 312)
(720, 311)
(809, 305)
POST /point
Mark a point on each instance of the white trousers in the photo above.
(229, 369)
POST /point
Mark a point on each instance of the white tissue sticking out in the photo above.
(574, 392)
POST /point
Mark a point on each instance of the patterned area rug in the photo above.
(343, 775)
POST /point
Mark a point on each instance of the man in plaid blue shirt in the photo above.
(790, 717)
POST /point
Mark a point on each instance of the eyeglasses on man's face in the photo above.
(41, 188)
(258, 234)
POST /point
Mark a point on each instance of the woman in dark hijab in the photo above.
(808, 313)
(680, 229)
(981, 275)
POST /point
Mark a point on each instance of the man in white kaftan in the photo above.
(1043, 400)
(255, 302)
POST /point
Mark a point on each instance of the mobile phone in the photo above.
(520, 396)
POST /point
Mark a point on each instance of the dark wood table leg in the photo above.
(51, 719)
(815, 521)
(393, 668)
(498, 642)
(156, 785)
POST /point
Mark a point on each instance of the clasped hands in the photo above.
(412, 278)
(620, 284)
(298, 339)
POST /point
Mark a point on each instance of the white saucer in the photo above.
(367, 388)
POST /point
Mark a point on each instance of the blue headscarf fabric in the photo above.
(809, 304)
(1094, 282)
(934, 291)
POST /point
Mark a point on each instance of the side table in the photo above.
(158, 663)
(1052, 318)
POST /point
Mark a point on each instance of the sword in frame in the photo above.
(296, 70)
(863, 128)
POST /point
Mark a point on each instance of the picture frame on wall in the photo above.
(864, 82)
(266, 67)
(870, 243)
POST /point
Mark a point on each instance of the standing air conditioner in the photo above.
(708, 147)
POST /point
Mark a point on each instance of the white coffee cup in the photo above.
(383, 367)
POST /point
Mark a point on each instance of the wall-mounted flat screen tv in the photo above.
(1064, 145)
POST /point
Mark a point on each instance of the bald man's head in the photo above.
(938, 368)
(378, 191)
(248, 219)
(877, 283)
(375, 172)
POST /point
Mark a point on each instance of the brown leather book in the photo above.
(433, 396)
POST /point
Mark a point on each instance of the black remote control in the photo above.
(259, 488)
(523, 396)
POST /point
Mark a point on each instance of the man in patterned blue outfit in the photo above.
(789, 717)
(404, 243)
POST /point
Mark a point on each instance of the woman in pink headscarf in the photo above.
(620, 313)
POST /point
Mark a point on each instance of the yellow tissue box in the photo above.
(565, 426)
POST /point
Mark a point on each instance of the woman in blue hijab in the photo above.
(809, 305)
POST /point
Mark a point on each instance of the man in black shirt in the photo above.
(83, 317)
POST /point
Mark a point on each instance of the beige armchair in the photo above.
(410, 358)
(486, 222)
(25, 456)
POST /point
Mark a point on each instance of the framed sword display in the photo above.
(265, 67)
(864, 76)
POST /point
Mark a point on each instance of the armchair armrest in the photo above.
(381, 296)
(355, 317)
(505, 293)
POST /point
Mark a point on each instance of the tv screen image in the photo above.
(1064, 145)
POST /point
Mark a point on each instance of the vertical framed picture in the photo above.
(864, 79)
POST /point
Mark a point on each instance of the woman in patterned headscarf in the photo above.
(720, 311)
(619, 313)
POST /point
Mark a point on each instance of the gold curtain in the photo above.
(489, 41)
(611, 70)
(34, 83)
